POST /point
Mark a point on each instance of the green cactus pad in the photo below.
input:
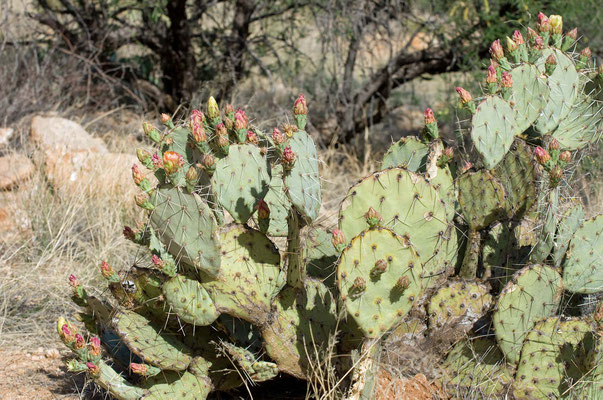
(171, 385)
(383, 303)
(150, 343)
(458, 303)
(581, 126)
(189, 301)
(302, 182)
(116, 384)
(412, 208)
(492, 130)
(409, 152)
(563, 84)
(278, 203)
(583, 266)
(250, 276)
(534, 293)
(257, 371)
(187, 227)
(501, 253)
(482, 198)
(518, 173)
(552, 359)
(569, 222)
(241, 179)
(548, 206)
(442, 182)
(478, 365)
(320, 256)
(304, 322)
(529, 95)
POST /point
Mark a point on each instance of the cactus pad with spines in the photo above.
(302, 182)
(581, 126)
(241, 179)
(583, 266)
(151, 343)
(482, 198)
(256, 370)
(320, 256)
(384, 302)
(442, 182)
(569, 222)
(412, 208)
(458, 303)
(409, 152)
(552, 358)
(278, 203)
(172, 385)
(529, 95)
(493, 129)
(534, 293)
(116, 384)
(189, 301)
(563, 84)
(187, 227)
(250, 276)
(548, 207)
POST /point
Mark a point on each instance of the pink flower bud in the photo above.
(277, 136)
(380, 266)
(73, 282)
(94, 346)
(191, 176)
(80, 343)
(129, 233)
(403, 282)
(137, 174)
(556, 24)
(555, 175)
(465, 96)
(139, 369)
(496, 50)
(565, 156)
(541, 155)
(240, 120)
(300, 107)
(67, 333)
(142, 200)
(491, 78)
(544, 25)
(511, 45)
(494, 64)
(198, 130)
(551, 60)
(337, 238)
(223, 141)
(158, 262)
(229, 109)
(466, 167)
(538, 43)
(506, 80)
(573, 34)
(554, 145)
(373, 218)
(106, 270)
(288, 156)
(208, 161)
(586, 53)
(518, 38)
(359, 284)
(93, 368)
(252, 137)
(263, 210)
(429, 117)
(165, 118)
(157, 163)
(172, 161)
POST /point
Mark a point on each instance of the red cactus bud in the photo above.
(494, 64)
(565, 156)
(263, 210)
(197, 117)
(465, 96)
(288, 156)
(337, 239)
(491, 78)
(221, 130)
(165, 118)
(542, 155)
(191, 176)
(142, 200)
(229, 109)
(466, 167)
(544, 25)
(172, 161)
(73, 282)
(300, 107)
(93, 368)
(139, 369)
(496, 50)
(252, 137)
(359, 284)
(506, 80)
(67, 333)
(80, 343)
(157, 163)
(198, 130)
(518, 38)
(511, 45)
(380, 266)
(556, 24)
(212, 108)
(158, 262)
(129, 233)
(223, 140)
(240, 120)
(94, 346)
(532, 34)
(555, 175)
(551, 60)
(373, 218)
(554, 145)
(538, 43)
(137, 174)
(106, 270)
(277, 136)
(586, 53)
(429, 117)
(573, 34)
(208, 161)
(403, 283)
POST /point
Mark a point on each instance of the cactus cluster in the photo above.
(494, 239)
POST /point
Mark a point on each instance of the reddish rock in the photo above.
(14, 170)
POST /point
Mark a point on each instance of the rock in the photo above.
(54, 134)
(415, 388)
(14, 169)
(5, 135)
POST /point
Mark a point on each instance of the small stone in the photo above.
(14, 169)
(5, 135)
